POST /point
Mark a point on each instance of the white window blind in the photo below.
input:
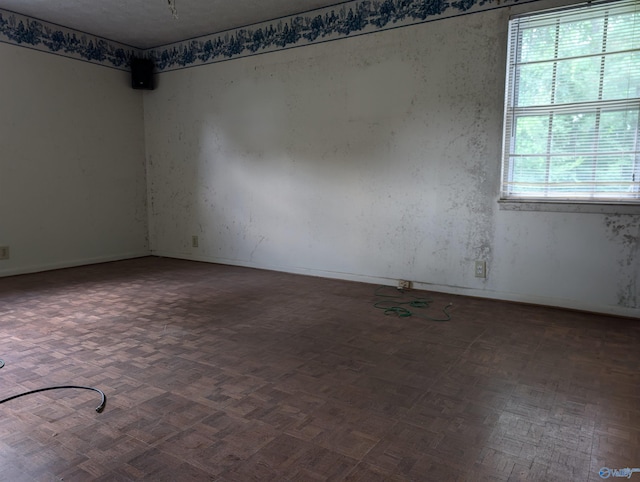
(572, 106)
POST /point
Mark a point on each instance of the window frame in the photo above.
(513, 112)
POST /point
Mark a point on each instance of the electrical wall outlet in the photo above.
(4, 252)
(194, 241)
(481, 269)
(404, 285)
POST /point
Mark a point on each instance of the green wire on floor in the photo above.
(404, 305)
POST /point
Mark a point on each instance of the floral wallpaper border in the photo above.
(344, 20)
(36, 34)
(348, 19)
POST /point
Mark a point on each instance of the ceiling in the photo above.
(150, 23)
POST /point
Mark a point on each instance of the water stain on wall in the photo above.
(625, 230)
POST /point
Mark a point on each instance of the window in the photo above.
(572, 105)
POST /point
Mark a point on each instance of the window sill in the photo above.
(568, 207)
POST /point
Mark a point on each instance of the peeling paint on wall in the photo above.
(382, 162)
(625, 231)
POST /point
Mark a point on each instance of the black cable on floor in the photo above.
(99, 408)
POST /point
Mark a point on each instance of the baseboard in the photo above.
(455, 290)
(36, 268)
(533, 300)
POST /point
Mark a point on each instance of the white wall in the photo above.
(72, 164)
(373, 158)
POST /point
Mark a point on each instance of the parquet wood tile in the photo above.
(220, 373)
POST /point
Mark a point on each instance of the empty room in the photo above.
(367, 240)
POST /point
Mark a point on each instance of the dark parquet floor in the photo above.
(232, 374)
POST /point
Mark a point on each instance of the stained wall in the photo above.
(372, 158)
